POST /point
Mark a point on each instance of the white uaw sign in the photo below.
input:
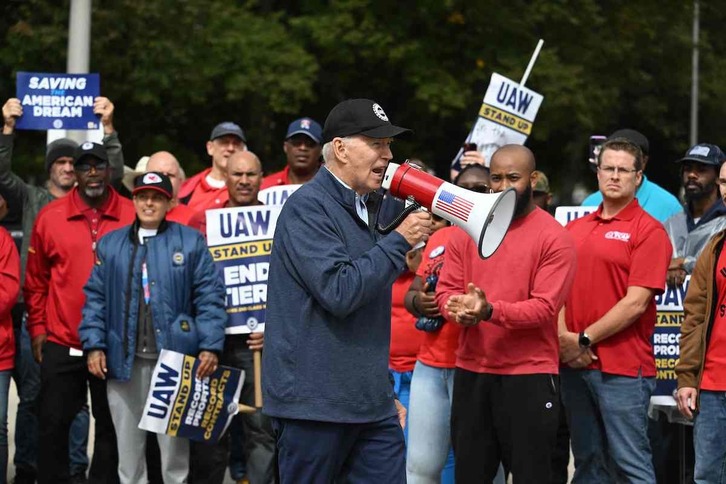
(505, 117)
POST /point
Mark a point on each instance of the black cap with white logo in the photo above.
(90, 149)
(359, 116)
(153, 180)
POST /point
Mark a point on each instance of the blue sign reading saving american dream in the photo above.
(667, 332)
(57, 101)
(181, 405)
(240, 240)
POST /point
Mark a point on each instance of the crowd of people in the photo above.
(402, 357)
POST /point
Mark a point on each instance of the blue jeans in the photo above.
(708, 438)
(402, 387)
(27, 380)
(4, 386)
(608, 418)
(429, 426)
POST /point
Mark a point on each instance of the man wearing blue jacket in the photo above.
(325, 366)
(154, 287)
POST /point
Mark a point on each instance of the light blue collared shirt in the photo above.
(360, 200)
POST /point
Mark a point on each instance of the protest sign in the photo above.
(506, 117)
(276, 195)
(565, 215)
(57, 101)
(667, 332)
(181, 405)
(666, 341)
(240, 241)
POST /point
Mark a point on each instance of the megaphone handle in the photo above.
(397, 221)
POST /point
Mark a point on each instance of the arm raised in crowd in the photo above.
(15, 189)
(103, 107)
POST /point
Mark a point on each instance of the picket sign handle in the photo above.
(257, 362)
(531, 62)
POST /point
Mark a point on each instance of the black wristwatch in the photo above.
(584, 340)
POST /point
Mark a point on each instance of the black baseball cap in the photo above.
(225, 128)
(153, 180)
(635, 137)
(704, 153)
(359, 116)
(90, 149)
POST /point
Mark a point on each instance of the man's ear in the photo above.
(209, 148)
(340, 150)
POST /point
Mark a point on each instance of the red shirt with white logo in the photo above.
(714, 367)
(438, 348)
(60, 258)
(630, 249)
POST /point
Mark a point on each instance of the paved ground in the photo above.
(13, 405)
(12, 408)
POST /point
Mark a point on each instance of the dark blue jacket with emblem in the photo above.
(187, 296)
(328, 320)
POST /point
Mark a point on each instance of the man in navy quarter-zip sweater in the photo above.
(325, 367)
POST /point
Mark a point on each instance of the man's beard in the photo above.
(523, 200)
(699, 193)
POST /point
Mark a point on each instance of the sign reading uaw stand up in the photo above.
(240, 240)
(57, 101)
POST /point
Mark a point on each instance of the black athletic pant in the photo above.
(64, 381)
(510, 419)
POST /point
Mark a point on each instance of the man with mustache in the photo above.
(704, 211)
(60, 258)
(302, 148)
(506, 387)
(606, 326)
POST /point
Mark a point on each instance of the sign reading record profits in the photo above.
(510, 105)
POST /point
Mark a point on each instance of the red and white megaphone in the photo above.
(484, 216)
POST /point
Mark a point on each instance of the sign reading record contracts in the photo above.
(57, 101)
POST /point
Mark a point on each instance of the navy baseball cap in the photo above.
(306, 126)
(228, 127)
(704, 153)
(359, 116)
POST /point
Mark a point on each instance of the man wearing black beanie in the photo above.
(29, 199)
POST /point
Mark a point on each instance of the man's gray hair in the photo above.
(328, 149)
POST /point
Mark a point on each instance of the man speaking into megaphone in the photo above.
(325, 365)
(505, 404)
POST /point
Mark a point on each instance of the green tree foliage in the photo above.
(176, 68)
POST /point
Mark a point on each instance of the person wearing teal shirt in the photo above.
(658, 202)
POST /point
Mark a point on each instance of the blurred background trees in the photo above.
(175, 68)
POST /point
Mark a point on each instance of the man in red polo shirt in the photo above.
(207, 189)
(302, 148)
(60, 258)
(506, 390)
(608, 372)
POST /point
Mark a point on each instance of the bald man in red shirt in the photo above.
(506, 388)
